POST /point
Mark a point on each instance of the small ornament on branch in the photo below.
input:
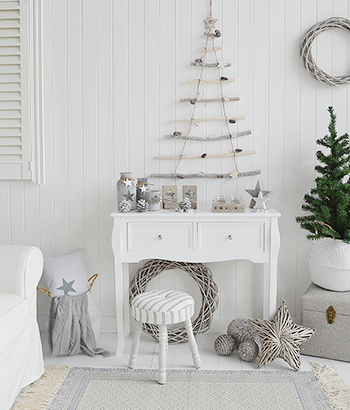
(124, 206)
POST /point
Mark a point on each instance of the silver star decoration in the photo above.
(260, 202)
(129, 196)
(127, 182)
(255, 192)
(210, 22)
(281, 337)
(189, 194)
(155, 200)
(170, 195)
(67, 287)
(221, 64)
(143, 189)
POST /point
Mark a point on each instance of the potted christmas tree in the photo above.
(328, 207)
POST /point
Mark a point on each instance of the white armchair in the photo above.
(21, 358)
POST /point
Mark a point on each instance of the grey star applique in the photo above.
(155, 200)
(67, 287)
(129, 196)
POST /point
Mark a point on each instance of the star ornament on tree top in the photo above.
(281, 337)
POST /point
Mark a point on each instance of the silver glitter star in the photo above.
(190, 194)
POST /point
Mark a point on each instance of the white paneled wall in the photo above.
(115, 71)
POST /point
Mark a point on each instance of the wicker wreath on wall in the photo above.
(208, 288)
(305, 50)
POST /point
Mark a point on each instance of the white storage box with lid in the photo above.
(329, 313)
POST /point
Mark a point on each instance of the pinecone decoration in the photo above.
(185, 205)
(124, 206)
(142, 205)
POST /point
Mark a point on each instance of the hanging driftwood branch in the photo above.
(213, 80)
(209, 64)
(205, 100)
(202, 175)
(225, 155)
(209, 119)
(218, 138)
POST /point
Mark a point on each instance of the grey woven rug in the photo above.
(84, 388)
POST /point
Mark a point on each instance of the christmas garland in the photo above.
(305, 50)
(208, 288)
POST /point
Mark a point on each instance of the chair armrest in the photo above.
(21, 268)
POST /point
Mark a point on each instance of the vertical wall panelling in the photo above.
(136, 64)
(105, 152)
(46, 191)
(74, 126)
(59, 127)
(5, 223)
(114, 75)
(91, 107)
(291, 152)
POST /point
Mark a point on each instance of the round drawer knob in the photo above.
(160, 237)
(230, 237)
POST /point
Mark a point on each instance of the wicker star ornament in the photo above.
(281, 337)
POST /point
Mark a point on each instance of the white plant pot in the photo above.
(329, 263)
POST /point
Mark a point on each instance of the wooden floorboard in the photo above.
(179, 357)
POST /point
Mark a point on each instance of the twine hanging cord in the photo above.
(305, 50)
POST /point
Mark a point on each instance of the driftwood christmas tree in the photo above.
(211, 35)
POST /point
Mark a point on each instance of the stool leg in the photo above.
(135, 344)
(163, 337)
(193, 344)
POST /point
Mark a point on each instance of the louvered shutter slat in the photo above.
(11, 90)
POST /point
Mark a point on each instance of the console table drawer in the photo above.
(241, 236)
(160, 236)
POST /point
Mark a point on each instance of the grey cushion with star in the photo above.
(281, 337)
(67, 274)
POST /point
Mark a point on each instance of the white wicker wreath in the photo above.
(208, 288)
(305, 50)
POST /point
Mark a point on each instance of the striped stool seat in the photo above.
(162, 308)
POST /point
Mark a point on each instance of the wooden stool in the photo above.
(162, 308)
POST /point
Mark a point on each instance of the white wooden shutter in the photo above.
(18, 134)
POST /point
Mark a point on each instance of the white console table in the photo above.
(202, 236)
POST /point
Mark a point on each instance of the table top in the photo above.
(201, 212)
